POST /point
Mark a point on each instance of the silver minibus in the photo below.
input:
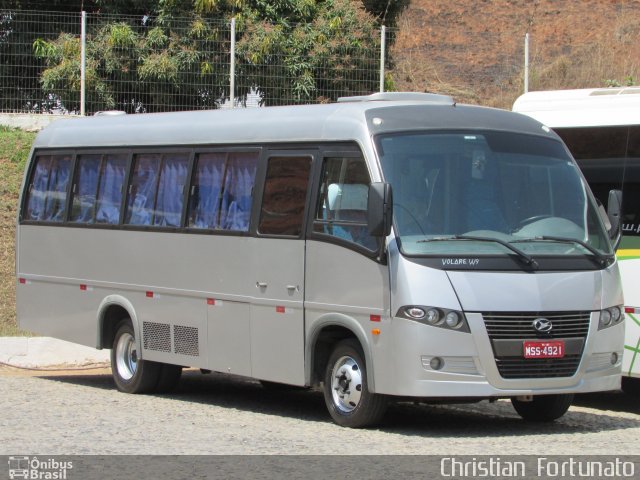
(397, 246)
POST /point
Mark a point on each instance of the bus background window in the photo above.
(342, 203)
(48, 188)
(213, 207)
(285, 194)
(608, 157)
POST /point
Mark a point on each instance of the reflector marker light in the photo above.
(375, 318)
(631, 310)
(375, 331)
(23, 281)
(149, 294)
(211, 301)
(83, 287)
(280, 309)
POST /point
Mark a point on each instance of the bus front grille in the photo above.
(519, 326)
(508, 331)
(514, 367)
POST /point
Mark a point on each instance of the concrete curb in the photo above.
(36, 352)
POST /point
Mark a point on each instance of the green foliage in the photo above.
(288, 51)
(627, 81)
(14, 146)
(14, 149)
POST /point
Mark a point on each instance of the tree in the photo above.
(175, 55)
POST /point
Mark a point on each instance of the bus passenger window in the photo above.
(48, 188)
(285, 194)
(220, 195)
(142, 190)
(110, 189)
(342, 204)
(169, 201)
(85, 189)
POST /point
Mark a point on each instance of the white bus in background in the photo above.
(267, 243)
(601, 127)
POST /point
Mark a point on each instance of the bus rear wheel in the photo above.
(131, 373)
(543, 408)
(346, 392)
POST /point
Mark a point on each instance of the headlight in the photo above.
(616, 314)
(609, 317)
(452, 319)
(433, 316)
(436, 317)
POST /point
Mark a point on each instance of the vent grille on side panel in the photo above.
(156, 336)
(185, 340)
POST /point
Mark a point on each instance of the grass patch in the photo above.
(14, 150)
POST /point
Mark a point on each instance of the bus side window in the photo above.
(220, 197)
(342, 203)
(48, 188)
(85, 189)
(142, 189)
(169, 200)
(110, 189)
(285, 194)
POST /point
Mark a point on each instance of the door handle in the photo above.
(261, 284)
(293, 288)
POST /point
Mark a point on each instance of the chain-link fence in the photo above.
(62, 63)
(142, 64)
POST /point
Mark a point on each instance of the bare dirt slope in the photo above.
(475, 49)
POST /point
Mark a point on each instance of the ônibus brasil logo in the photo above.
(40, 469)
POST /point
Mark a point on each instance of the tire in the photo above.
(543, 408)
(169, 378)
(346, 392)
(130, 373)
(631, 386)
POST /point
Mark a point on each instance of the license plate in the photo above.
(553, 349)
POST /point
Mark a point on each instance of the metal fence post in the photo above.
(526, 63)
(232, 72)
(83, 62)
(383, 41)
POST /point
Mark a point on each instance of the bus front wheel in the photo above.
(345, 388)
(543, 408)
(130, 373)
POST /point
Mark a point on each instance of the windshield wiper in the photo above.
(597, 256)
(527, 259)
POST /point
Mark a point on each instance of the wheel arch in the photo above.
(325, 332)
(112, 309)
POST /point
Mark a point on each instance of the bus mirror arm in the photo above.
(614, 214)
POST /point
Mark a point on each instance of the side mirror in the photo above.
(614, 213)
(379, 209)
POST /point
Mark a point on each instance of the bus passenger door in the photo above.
(277, 313)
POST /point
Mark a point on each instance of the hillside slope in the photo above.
(475, 50)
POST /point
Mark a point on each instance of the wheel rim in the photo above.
(346, 384)
(126, 356)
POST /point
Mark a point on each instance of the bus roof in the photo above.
(347, 120)
(582, 108)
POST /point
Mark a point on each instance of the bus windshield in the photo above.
(489, 193)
